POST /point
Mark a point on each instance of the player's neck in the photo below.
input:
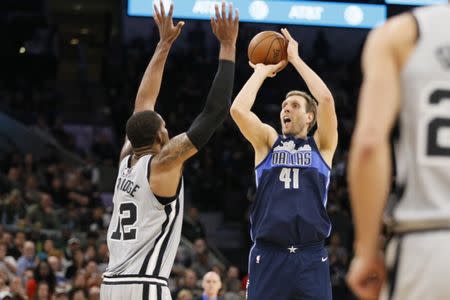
(302, 136)
(138, 153)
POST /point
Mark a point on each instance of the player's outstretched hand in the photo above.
(168, 32)
(366, 276)
(292, 49)
(224, 26)
(269, 70)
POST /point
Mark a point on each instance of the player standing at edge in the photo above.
(406, 66)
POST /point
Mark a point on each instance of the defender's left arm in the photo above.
(326, 135)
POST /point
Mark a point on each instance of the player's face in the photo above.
(293, 116)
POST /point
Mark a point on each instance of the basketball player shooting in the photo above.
(406, 66)
(145, 227)
(289, 221)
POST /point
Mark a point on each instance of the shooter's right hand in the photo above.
(269, 70)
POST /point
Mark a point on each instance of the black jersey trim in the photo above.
(159, 292)
(392, 274)
(166, 200)
(133, 276)
(168, 210)
(129, 161)
(131, 282)
(166, 241)
(146, 291)
(149, 163)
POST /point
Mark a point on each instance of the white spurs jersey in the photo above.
(143, 235)
(423, 153)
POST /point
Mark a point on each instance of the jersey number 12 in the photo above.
(290, 177)
(127, 217)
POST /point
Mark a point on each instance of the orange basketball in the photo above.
(267, 47)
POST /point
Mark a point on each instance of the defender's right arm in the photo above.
(259, 134)
(151, 81)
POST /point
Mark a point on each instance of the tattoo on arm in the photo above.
(176, 151)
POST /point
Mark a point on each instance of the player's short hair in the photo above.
(142, 128)
(311, 105)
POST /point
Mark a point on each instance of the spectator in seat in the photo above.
(12, 208)
(184, 295)
(189, 283)
(45, 273)
(43, 291)
(8, 264)
(192, 227)
(44, 214)
(28, 259)
(211, 286)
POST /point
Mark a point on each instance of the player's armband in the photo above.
(216, 107)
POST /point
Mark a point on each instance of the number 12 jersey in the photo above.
(143, 234)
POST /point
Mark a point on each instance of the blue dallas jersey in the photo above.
(291, 197)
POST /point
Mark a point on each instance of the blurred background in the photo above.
(68, 79)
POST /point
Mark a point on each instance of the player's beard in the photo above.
(293, 129)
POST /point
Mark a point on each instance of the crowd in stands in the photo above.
(53, 221)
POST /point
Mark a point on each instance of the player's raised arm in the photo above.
(172, 156)
(259, 134)
(151, 81)
(369, 173)
(326, 135)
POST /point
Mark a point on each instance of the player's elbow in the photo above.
(366, 143)
(236, 112)
(325, 99)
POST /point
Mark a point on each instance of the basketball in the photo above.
(267, 47)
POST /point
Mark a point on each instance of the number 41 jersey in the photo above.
(143, 234)
(423, 153)
(291, 196)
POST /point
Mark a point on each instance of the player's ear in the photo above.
(309, 117)
(159, 137)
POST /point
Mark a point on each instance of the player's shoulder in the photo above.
(396, 31)
(395, 39)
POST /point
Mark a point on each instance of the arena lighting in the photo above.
(74, 41)
(314, 13)
(22, 50)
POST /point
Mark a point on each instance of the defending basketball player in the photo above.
(145, 227)
(406, 65)
(288, 217)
